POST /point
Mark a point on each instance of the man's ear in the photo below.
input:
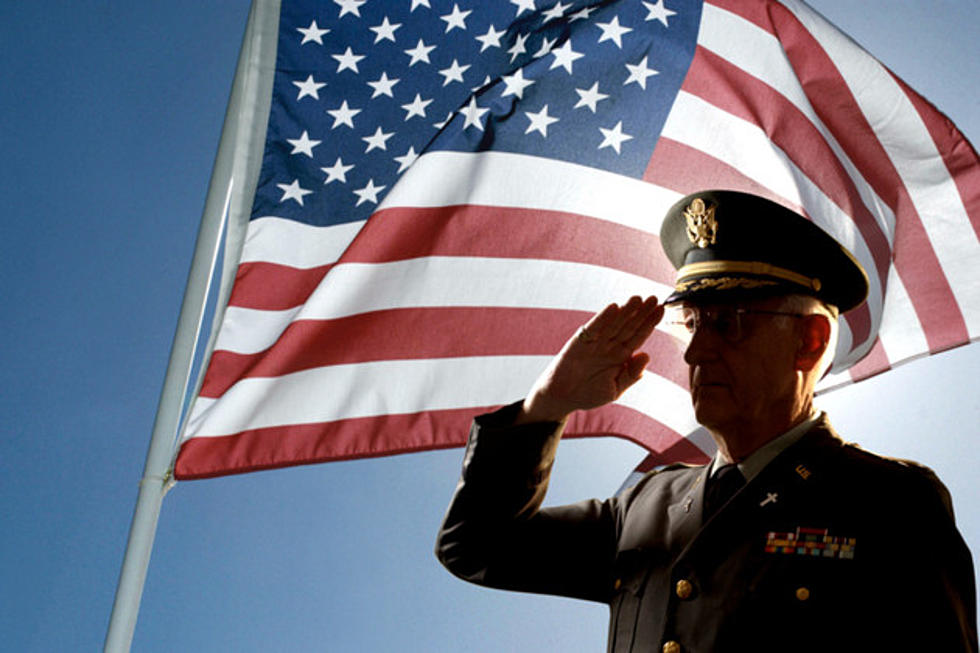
(813, 342)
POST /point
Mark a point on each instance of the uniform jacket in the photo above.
(828, 548)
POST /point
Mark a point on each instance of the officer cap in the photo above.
(732, 246)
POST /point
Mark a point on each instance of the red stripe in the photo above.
(874, 362)
(474, 231)
(422, 333)
(367, 437)
(958, 154)
(686, 170)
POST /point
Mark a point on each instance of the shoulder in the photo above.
(896, 477)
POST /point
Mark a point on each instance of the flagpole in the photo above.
(227, 202)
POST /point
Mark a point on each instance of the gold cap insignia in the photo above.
(701, 224)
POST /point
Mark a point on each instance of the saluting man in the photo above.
(789, 539)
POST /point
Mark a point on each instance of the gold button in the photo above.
(684, 589)
(802, 593)
(672, 647)
(617, 583)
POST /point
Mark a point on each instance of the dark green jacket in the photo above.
(829, 548)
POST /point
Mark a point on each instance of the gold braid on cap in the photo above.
(755, 268)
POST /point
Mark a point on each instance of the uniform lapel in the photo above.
(685, 514)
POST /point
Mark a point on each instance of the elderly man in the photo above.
(789, 539)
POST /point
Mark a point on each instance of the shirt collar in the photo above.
(758, 459)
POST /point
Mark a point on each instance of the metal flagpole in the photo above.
(229, 195)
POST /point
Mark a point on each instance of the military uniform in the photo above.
(829, 547)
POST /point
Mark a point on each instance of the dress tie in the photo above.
(723, 484)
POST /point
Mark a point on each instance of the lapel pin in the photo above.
(770, 498)
(803, 472)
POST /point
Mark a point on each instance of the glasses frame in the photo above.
(687, 332)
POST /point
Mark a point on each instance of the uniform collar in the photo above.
(757, 461)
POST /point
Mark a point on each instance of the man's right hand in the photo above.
(596, 365)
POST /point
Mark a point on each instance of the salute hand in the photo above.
(597, 364)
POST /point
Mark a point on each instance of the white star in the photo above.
(581, 14)
(309, 87)
(419, 53)
(658, 12)
(612, 31)
(518, 48)
(377, 140)
(337, 172)
(440, 125)
(454, 73)
(312, 33)
(491, 39)
(473, 113)
(416, 107)
(419, 3)
(293, 191)
(350, 7)
(456, 19)
(539, 121)
(303, 144)
(405, 161)
(516, 84)
(639, 73)
(555, 12)
(564, 56)
(589, 98)
(369, 193)
(522, 6)
(343, 115)
(614, 137)
(383, 86)
(385, 31)
(546, 46)
(348, 60)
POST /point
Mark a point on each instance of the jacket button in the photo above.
(683, 589)
(617, 583)
(671, 647)
(802, 593)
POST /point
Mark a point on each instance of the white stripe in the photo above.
(518, 180)
(354, 288)
(287, 242)
(911, 149)
(382, 388)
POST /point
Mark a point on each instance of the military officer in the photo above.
(789, 539)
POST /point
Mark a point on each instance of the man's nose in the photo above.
(702, 346)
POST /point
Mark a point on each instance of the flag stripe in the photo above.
(328, 394)
(260, 449)
(448, 231)
(414, 333)
(528, 283)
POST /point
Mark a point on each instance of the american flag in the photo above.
(450, 188)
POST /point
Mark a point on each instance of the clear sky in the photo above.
(110, 114)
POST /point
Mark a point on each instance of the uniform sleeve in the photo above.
(495, 532)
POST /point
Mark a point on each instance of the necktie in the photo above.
(722, 485)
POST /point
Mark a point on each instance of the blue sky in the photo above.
(110, 114)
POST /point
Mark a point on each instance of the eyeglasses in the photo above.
(726, 321)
